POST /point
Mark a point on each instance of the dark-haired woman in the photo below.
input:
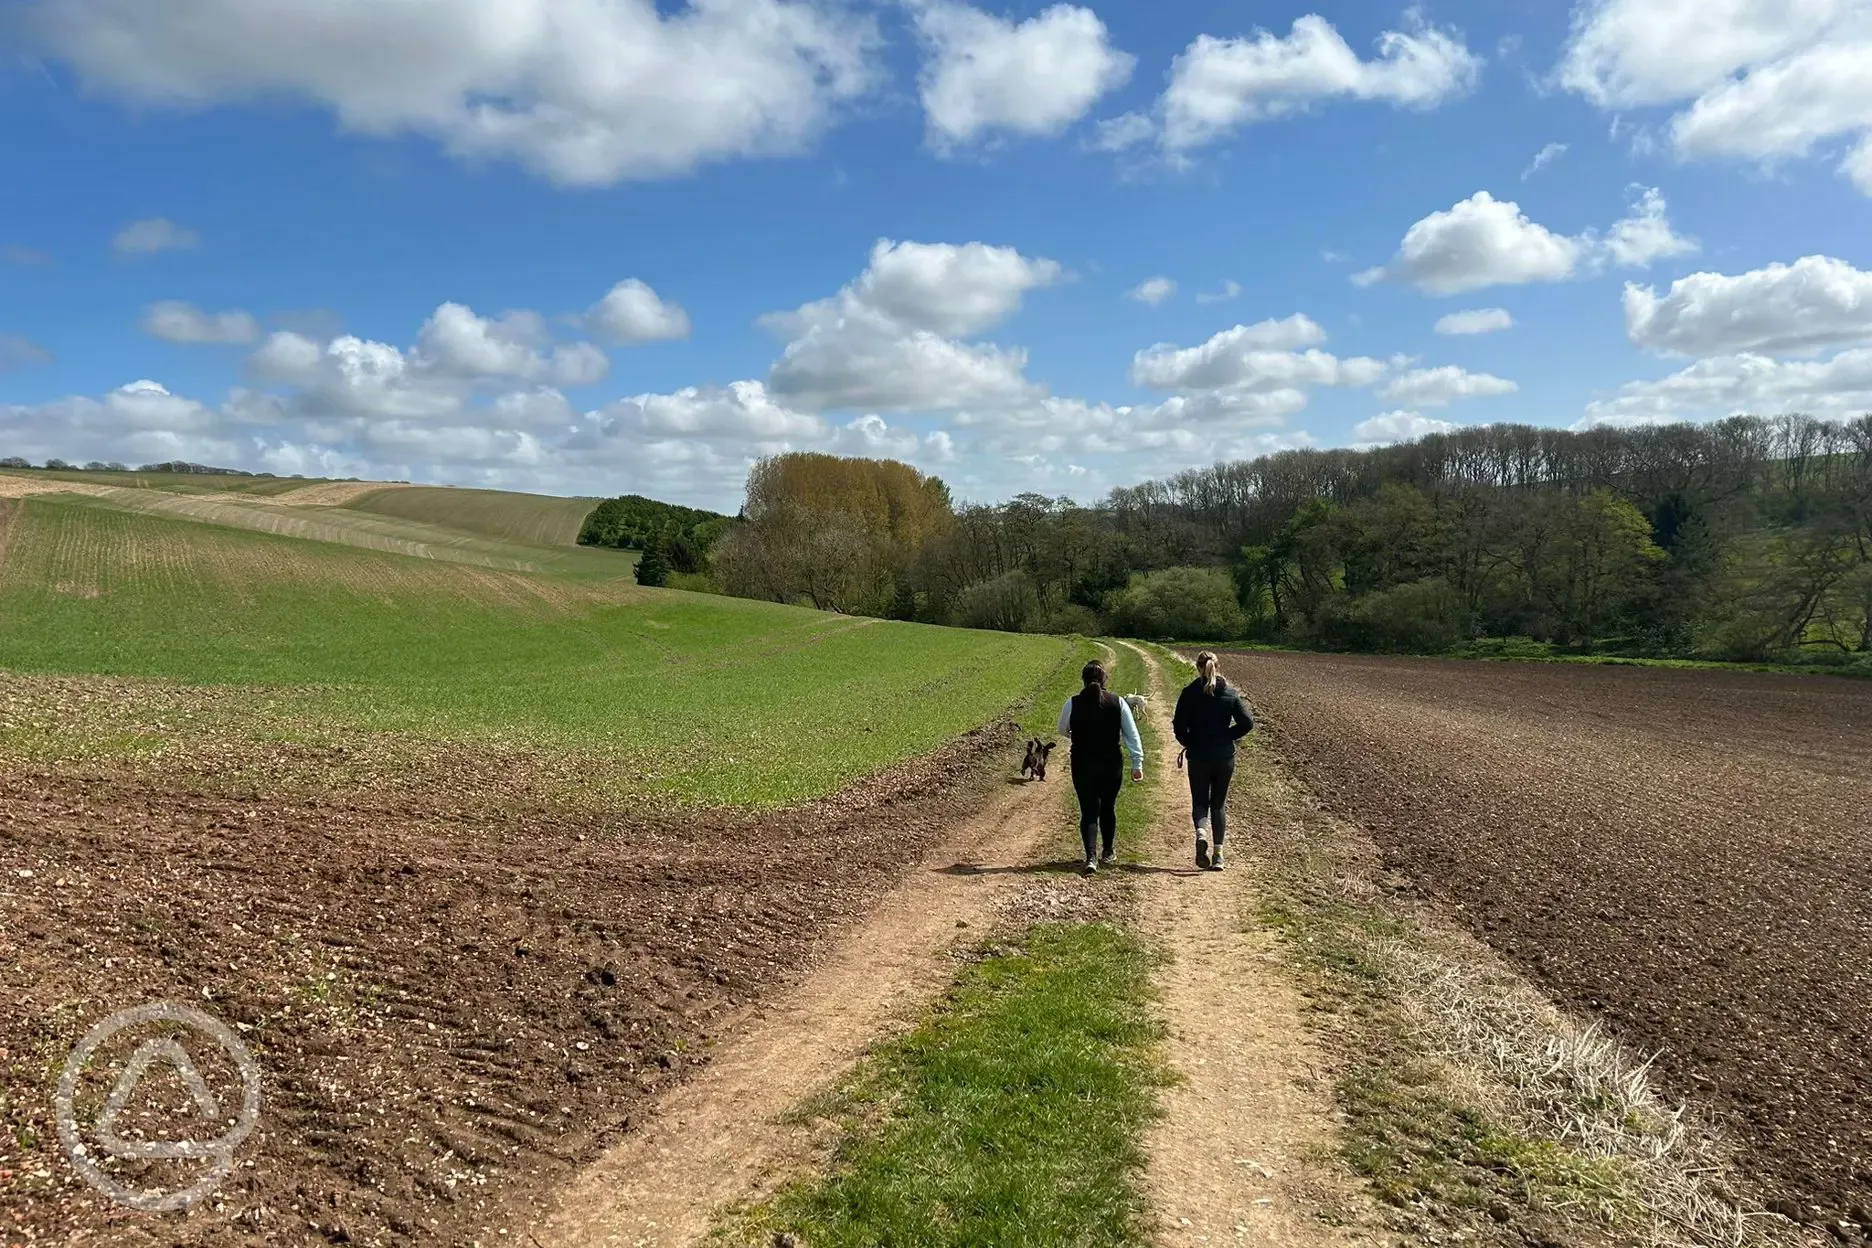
(1210, 718)
(1102, 732)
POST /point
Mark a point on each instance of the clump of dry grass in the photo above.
(1571, 1082)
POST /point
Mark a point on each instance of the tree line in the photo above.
(673, 541)
(1748, 538)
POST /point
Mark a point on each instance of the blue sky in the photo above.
(331, 238)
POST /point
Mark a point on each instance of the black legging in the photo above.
(1098, 809)
(1209, 786)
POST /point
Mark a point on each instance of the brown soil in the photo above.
(1241, 1154)
(452, 1015)
(730, 1135)
(1681, 854)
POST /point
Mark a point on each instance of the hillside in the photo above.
(497, 654)
(531, 519)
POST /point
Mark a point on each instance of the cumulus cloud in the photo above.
(1435, 387)
(1218, 85)
(1400, 426)
(1264, 350)
(631, 312)
(1813, 303)
(1475, 321)
(155, 234)
(1763, 80)
(740, 412)
(176, 321)
(1645, 236)
(456, 343)
(985, 75)
(142, 420)
(891, 340)
(1729, 384)
(1152, 290)
(17, 352)
(582, 92)
(1484, 241)
(1230, 289)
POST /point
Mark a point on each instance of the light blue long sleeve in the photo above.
(1127, 729)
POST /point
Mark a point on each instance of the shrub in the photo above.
(1422, 617)
(1069, 620)
(1192, 604)
(1006, 604)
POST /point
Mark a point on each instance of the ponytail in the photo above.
(1206, 665)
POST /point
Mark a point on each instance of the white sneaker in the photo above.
(1202, 854)
(1091, 867)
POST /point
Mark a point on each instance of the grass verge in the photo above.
(1012, 1115)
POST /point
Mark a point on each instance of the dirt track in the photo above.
(451, 1016)
(1684, 854)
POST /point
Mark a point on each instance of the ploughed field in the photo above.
(450, 1012)
(1684, 854)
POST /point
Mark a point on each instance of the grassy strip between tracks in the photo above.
(1012, 1114)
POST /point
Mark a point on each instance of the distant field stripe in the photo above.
(530, 519)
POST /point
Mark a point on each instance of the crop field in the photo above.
(692, 697)
(529, 519)
(321, 512)
(477, 855)
(1685, 856)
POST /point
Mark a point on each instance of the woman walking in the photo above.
(1098, 723)
(1210, 718)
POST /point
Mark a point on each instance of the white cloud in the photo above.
(1815, 302)
(176, 321)
(1400, 426)
(455, 342)
(1233, 356)
(1480, 242)
(1231, 289)
(950, 289)
(1152, 290)
(890, 340)
(153, 235)
(1434, 387)
(1484, 241)
(581, 91)
(985, 74)
(1633, 53)
(1645, 236)
(1475, 321)
(857, 357)
(1218, 85)
(17, 352)
(1124, 132)
(1546, 156)
(1729, 384)
(141, 421)
(632, 313)
(740, 412)
(1765, 80)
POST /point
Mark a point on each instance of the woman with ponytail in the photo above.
(1210, 718)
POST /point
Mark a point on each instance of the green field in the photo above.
(530, 519)
(693, 697)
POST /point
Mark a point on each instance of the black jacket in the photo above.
(1209, 724)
